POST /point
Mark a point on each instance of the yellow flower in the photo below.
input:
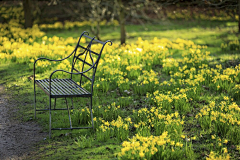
(107, 123)
(213, 136)
(226, 98)
(225, 150)
(193, 138)
(32, 60)
(141, 154)
(123, 151)
(225, 141)
(183, 136)
(238, 147)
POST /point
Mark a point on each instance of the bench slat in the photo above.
(81, 88)
(70, 88)
(62, 88)
(57, 86)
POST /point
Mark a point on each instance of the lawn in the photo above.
(172, 92)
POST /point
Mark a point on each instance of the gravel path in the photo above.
(17, 139)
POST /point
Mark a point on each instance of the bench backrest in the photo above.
(86, 57)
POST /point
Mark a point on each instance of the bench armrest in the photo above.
(56, 60)
(43, 58)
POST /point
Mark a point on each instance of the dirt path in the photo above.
(17, 139)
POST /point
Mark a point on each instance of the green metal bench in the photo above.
(63, 88)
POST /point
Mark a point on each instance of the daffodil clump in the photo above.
(118, 128)
(232, 46)
(156, 121)
(198, 14)
(214, 156)
(108, 112)
(51, 47)
(222, 118)
(151, 147)
(146, 82)
(74, 24)
(13, 26)
(225, 79)
(167, 101)
(220, 146)
(81, 116)
(12, 13)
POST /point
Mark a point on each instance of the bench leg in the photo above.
(91, 113)
(72, 103)
(50, 120)
(34, 101)
(69, 116)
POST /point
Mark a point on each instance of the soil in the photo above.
(17, 139)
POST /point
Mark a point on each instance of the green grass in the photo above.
(63, 144)
(210, 33)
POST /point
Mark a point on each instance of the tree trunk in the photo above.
(238, 16)
(28, 16)
(96, 30)
(122, 23)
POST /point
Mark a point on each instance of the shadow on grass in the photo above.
(16, 79)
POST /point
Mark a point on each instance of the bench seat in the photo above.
(63, 88)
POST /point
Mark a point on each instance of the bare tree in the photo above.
(138, 11)
(123, 11)
(98, 12)
(121, 14)
(28, 15)
(238, 16)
